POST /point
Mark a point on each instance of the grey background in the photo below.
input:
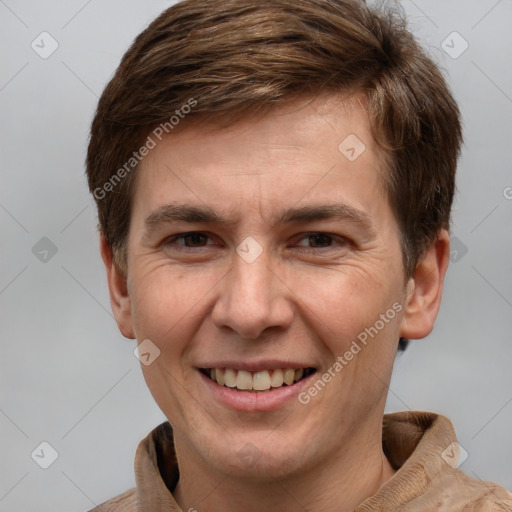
(69, 378)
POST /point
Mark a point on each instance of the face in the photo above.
(261, 252)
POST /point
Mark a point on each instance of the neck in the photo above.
(340, 483)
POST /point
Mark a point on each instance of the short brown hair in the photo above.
(232, 58)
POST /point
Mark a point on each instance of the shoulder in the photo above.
(423, 448)
(456, 490)
(126, 502)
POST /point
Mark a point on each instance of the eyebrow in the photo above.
(201, 214)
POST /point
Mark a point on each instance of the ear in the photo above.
(425, 289)
(119, 298)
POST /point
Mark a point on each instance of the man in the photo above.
(274, 182)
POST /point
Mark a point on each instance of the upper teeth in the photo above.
(257, 381)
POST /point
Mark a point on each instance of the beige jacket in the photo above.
(419, 445)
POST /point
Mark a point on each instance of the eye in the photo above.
(318, 240)
(190, 240)
(321, 241)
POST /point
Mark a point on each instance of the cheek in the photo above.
(168, 308)
(340, 303)
(166, 301)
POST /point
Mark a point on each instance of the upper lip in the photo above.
(255, 366)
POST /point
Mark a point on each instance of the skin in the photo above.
(303, 299)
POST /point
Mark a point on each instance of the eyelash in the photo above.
(182, 236)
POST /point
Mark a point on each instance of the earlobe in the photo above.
(119, 297)
(425, 289)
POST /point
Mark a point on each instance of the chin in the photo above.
(256, 459)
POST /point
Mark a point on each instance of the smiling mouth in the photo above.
(262, 381)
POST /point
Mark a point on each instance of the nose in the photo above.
(253, 299)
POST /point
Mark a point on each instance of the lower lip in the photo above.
(250, 401)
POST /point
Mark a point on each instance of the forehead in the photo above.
(308, 125)
(314, 150)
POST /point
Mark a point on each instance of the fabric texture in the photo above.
(421, 446)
